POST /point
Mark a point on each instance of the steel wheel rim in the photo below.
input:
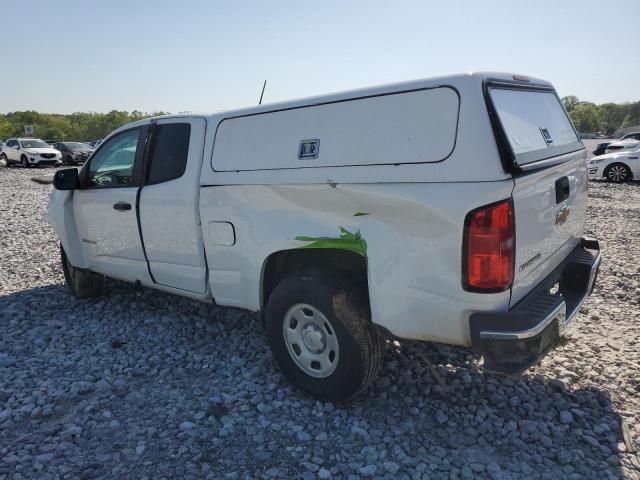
(617, 173)
(311, 340)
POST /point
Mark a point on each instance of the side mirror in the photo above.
(66, 179)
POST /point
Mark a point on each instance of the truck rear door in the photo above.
(169, 204)
(550, 180)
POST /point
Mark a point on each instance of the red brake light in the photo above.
(488, 251)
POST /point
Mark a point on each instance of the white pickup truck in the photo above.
(449, 210)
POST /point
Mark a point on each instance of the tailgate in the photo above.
(548, 225)
(550, 180)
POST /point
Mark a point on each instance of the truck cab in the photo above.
(448, 210)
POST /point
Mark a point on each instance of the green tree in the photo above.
(628, 121)
(6, 128)
(634, 112)
(570, 102)
(585, 117)
(611, 116)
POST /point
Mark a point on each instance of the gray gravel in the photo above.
(148, 385)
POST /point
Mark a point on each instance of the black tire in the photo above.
(617, 173)
(4, 160)
(24, 162)
(81, 283)
(360, 347)
(68, 160)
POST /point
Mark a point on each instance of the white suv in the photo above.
(29, 151)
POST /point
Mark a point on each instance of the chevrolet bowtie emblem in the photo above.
(562, 215)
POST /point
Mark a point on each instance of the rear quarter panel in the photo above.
(413, 234)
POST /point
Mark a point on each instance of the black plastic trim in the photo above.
(563, 189)
(148, 130)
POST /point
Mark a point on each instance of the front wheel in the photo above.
(24, 162)
(320, 332)
(617, 172)
(81, 283)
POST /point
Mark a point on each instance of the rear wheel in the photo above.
(4, 161)
(321, 335)
(617, 172)
(81, 283)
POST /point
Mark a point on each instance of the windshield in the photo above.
(631, 136)
(34, 143)
(77, 146)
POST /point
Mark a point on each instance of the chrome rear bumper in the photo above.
(513, 341)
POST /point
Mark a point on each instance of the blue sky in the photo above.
(199, 55)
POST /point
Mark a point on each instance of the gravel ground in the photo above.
(149, 385)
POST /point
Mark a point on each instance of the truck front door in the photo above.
(105, 207)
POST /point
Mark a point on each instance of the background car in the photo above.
(616, 167)
(626, 144)
(73, 152)
(29, 152)
(603, 147)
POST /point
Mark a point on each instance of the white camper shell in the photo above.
(449, 209)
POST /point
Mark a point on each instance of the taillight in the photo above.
(489, 248)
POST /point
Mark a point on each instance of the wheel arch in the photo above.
(280, 264)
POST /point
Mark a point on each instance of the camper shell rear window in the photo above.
(534, 123)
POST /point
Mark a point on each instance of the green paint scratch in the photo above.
(346, 241)
(360, 214)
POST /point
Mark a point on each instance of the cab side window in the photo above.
(114, 164)
(170, 151)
